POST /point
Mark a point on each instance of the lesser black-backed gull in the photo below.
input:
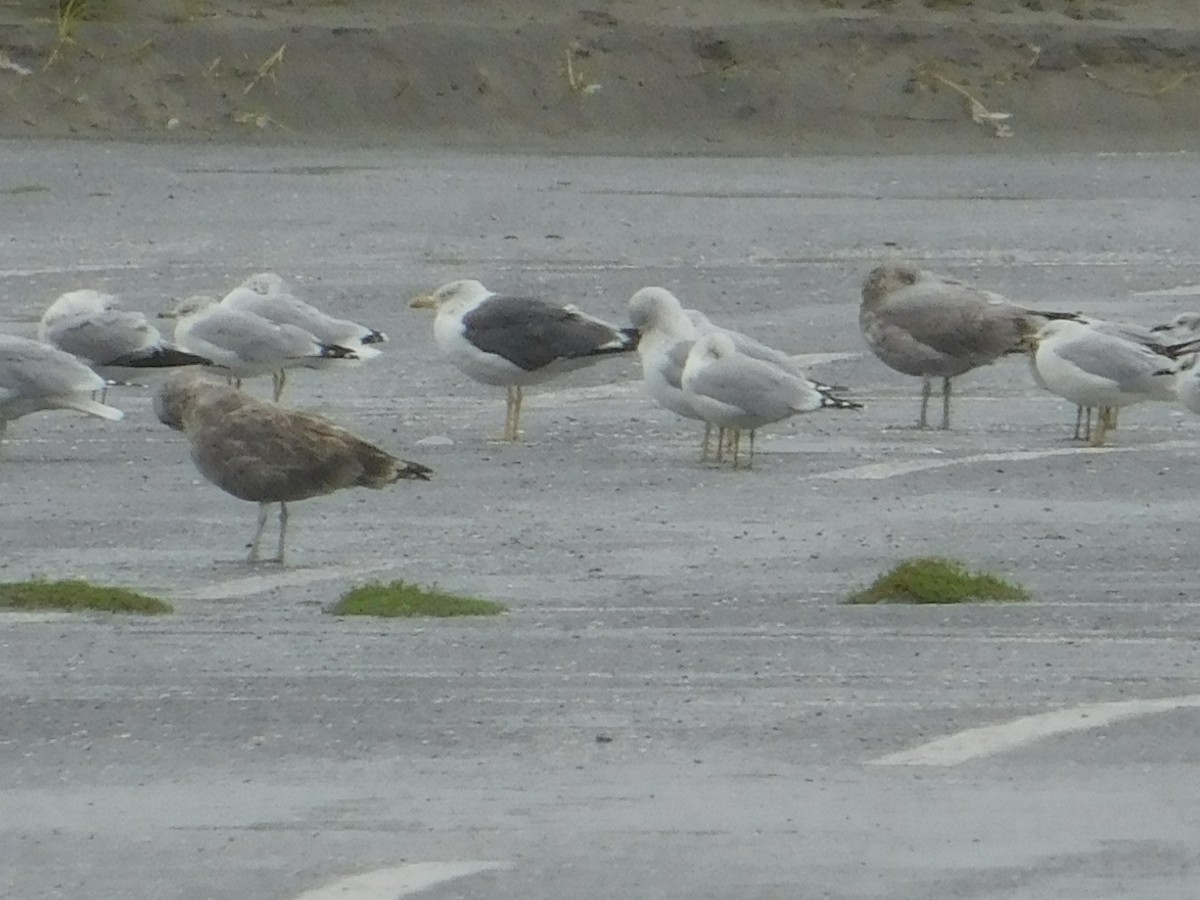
(516, 341)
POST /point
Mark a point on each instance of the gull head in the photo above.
(1035, 338)
(715, 346)
(654, 307)
(265, 283)
(178, 394)
(461, 293)
(1188, 321)
(188, 307)
(885, 279)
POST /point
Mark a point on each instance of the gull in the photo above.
(90, 326)
(1091, 367)
(35, 376)
(266, 294)
(1183, 326)
(666, 334)
(1151, 338)
(732, 390)
(267, 454)
(517, 341)
(243, 345)
(923, 324)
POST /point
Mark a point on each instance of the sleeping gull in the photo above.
(1152, 338)
(90, 325)
(35, 376)
(1090, 367)
(266, 294)
(266, 454)
(244, 345)
(919, 323)
(1182, 327)
(732, 390)
(666, 334)
(515, 341)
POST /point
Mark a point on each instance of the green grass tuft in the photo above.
(410, 600)
(76, 596)
(930, 579)
(25, 189)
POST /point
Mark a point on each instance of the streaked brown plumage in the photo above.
(924, 324)
(266, 454)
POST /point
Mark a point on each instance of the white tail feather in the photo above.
(95, 408)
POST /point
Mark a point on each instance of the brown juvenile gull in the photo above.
(266, 454)
(35, 376)
(114, 342)
(515, 341)
(735, 391)
(924, 324)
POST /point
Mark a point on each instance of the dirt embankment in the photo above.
(762, 76)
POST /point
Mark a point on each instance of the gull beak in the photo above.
(425, 301)
(1161, 328)
(168, 314)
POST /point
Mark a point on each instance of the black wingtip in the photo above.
(413, 470)
(630, 338)
(1056, 315)
(828, 401)
(333, 351)
(375, 337)
(160, 358)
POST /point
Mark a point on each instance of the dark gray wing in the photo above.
(531, 333)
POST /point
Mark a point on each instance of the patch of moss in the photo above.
(930, 579)
(409, 600)
(77, 596)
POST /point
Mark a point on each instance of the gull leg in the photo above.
(704, 443)
(1079, 422)
(1087, 423)
(516, 428)
(926, 389)
(278, 380)
(283, 520)
(3, 428)
(1103, 422)
(736, 440)
(945, 404)
(750, 461)
(262, 523)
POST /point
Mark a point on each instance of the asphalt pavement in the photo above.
(679, 704)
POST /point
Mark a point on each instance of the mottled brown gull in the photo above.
(924, 324)
(516, 341)
(267, 454)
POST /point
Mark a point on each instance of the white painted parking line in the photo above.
(391, 884)
(1183, 290)
(992, 739)
(877, 471)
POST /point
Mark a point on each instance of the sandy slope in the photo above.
(615, 75)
